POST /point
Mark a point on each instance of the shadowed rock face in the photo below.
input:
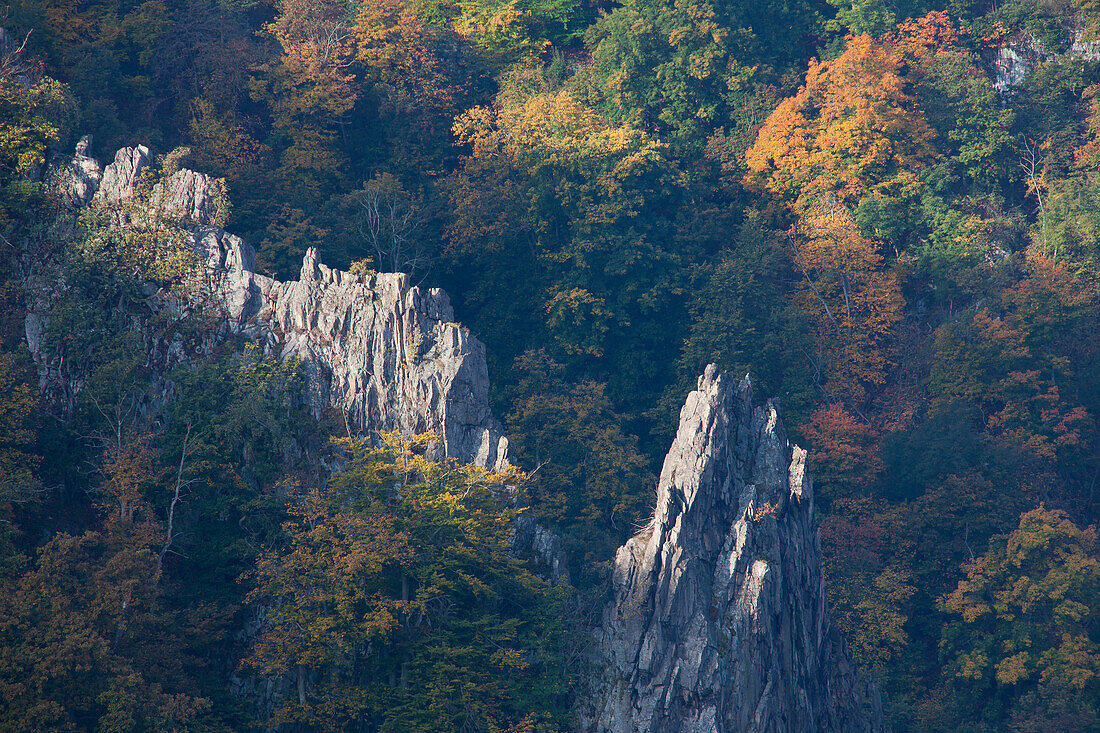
(718, 622)
(79, 180)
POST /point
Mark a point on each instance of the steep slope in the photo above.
(384, 353)
(718, 622)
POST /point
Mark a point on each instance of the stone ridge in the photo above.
(384, 353)
(718, 622)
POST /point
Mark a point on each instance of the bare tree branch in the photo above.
(389, 225)
(175, 500)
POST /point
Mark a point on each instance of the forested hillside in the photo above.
(887, 213)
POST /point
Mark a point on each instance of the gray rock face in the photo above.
(718, 622)
(189, 196)
(78, 181)
(1011, 65)
(538, 544)
(383, 353)
(119, 177)
(386, 354)
(1013, 62)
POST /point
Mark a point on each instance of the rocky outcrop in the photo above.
(1013, 63)
(79, 178)
(542, 547)
(120, 177)
(718, 622)
(1023, 54)
(379, 351)
(383, 352)
(190, 196)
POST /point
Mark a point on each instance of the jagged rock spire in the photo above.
(718, 622)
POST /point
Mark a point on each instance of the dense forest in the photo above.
(887, 212)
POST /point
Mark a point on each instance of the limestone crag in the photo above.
(542, 547)
(189, 196)
(120, 177)
(1023, 54)
(383, 353)
(718, 622)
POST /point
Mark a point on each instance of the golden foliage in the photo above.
(1025, 606)
(852, 129)
(855, 303)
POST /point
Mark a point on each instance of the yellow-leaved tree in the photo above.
(1025, 618)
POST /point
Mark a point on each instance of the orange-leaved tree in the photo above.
(845, 458)
(399, 52)
(1019, 362)
(854, 301)
(851, 130)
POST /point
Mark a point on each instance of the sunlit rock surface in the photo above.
(383, 353)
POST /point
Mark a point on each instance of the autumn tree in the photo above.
(851, 131)
(854, 300)
(1025, 619)
(403, 53)
(513, 30)
(1014, 363)
(589, 481)
(909, 135)
(328, 591)
(845, 459)
(88, 636)
(570, 211)
(417, 74)
(393, 599)
(308, 90)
